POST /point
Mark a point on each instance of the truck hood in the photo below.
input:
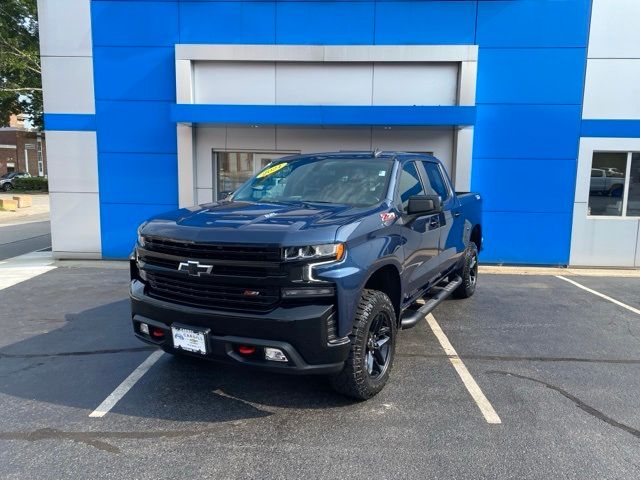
(264, 223)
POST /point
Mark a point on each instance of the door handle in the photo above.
(456, 213)
(434, 223)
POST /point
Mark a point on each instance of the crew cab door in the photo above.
(421, 233)
(452, 220)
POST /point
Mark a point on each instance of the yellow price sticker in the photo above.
(272, 170)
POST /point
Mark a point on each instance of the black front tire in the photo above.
(469, 273)
(7, 186)
(373, 343)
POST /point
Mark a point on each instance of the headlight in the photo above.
(140, 236)
(329, 251)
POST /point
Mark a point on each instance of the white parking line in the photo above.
(473, 388)
(601, 295)
(126, 385)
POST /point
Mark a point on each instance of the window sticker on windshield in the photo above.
(382, 173)
(271, 170)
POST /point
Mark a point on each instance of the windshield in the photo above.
(7, 175)
(350, 181)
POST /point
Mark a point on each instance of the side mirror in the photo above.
(424, 204)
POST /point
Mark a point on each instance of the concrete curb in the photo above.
(567, 272)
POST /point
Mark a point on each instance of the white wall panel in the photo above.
(463, 161)
(249, 138)
(184, 85)
(436, 140)
(602, 242)
(186, 166)
(65, 27)
(243, 83)
(72, 161)
(204, 195)
(328, 53)
(323, 83)
(317, 140)
(614, 29)
(68, 84)
(207, 139)
(415, 84)
(612, 89)
(75, 224)
(309, 83)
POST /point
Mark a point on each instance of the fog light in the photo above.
(144, 328)
(275, 355)
(307, 292)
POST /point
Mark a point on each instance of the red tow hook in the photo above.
(157, 332)
(246, 350)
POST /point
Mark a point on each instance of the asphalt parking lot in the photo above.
(559, 364)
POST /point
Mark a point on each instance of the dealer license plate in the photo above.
(189, 340)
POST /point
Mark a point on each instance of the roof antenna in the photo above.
(377, 152)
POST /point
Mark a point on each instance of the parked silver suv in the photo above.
(6, 181)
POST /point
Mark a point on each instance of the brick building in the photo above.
(22, 150)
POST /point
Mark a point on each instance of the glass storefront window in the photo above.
(606, 190)
(235, 168)
(633, 199)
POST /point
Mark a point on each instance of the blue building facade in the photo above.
(515, 121)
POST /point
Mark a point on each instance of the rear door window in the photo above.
(435, 180)
(409, 184)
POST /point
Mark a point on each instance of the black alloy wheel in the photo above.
(468, 273)
(378, 345)
(372, 338)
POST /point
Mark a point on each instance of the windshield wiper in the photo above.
(322, 202)
(274, 200)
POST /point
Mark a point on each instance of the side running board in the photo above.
(410, 318)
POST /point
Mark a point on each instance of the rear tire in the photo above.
(373, 344)
(469, 273)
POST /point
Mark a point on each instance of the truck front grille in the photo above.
(244, 253)
(228, 269)
(196, 292)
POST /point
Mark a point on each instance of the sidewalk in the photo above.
(25, 267)
(39, 211)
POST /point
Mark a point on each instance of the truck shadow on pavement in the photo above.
(78, 362)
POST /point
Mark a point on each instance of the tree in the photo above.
(20, 81)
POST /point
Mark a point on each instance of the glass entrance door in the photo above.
(232, 169)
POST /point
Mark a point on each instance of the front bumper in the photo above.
(300, 331)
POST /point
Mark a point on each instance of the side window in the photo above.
(608, 189)
(436, 181)
(409, 184)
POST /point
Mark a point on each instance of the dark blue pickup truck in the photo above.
(311, 267)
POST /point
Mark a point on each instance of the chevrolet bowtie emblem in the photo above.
(194, 268)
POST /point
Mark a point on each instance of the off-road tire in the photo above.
(468, 272)
(354, 380)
